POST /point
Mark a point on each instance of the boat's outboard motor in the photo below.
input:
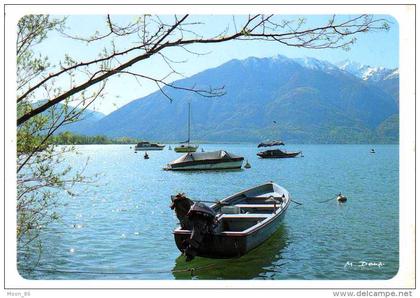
(181, 204)
(201, 217)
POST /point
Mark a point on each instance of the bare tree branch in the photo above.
(217, 92)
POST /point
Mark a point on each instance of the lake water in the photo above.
(121, 227)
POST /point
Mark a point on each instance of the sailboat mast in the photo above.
(189, 122)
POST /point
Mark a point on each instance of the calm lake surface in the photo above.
(122, 225)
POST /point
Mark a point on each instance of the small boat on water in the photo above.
(230, 227)
(147, 146)
(146, 156)
(217, 160)
(277, 153)
(247, 165)
(186, 146)
(372, 150)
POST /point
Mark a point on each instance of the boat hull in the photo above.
(278, 155)
(149, 148)
(229, 245)
(208, 165)
(185, 149)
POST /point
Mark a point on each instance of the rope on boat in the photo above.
(296, 202)
(191, 270)
(327, 200)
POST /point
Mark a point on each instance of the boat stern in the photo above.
(213, 245)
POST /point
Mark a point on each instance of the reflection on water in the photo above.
(258, 263)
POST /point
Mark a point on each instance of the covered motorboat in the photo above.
(216, 160)
(277, 153)
(232, 226)
(146, 146)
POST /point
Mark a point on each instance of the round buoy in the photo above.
(341, 198)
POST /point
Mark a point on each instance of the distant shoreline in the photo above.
(68, 138)
(227, 143)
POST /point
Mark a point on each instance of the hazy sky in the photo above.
(373, 48)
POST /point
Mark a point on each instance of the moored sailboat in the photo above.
(186, 146)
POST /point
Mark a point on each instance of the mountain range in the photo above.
(303, 100)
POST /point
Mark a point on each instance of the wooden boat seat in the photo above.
(259, 198)
(258, 206)
(267, 195)
(244, 215)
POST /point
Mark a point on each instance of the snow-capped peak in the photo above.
(367, 72)
(313, 63)
(373, 73)
(393, 75)
(350, 66)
